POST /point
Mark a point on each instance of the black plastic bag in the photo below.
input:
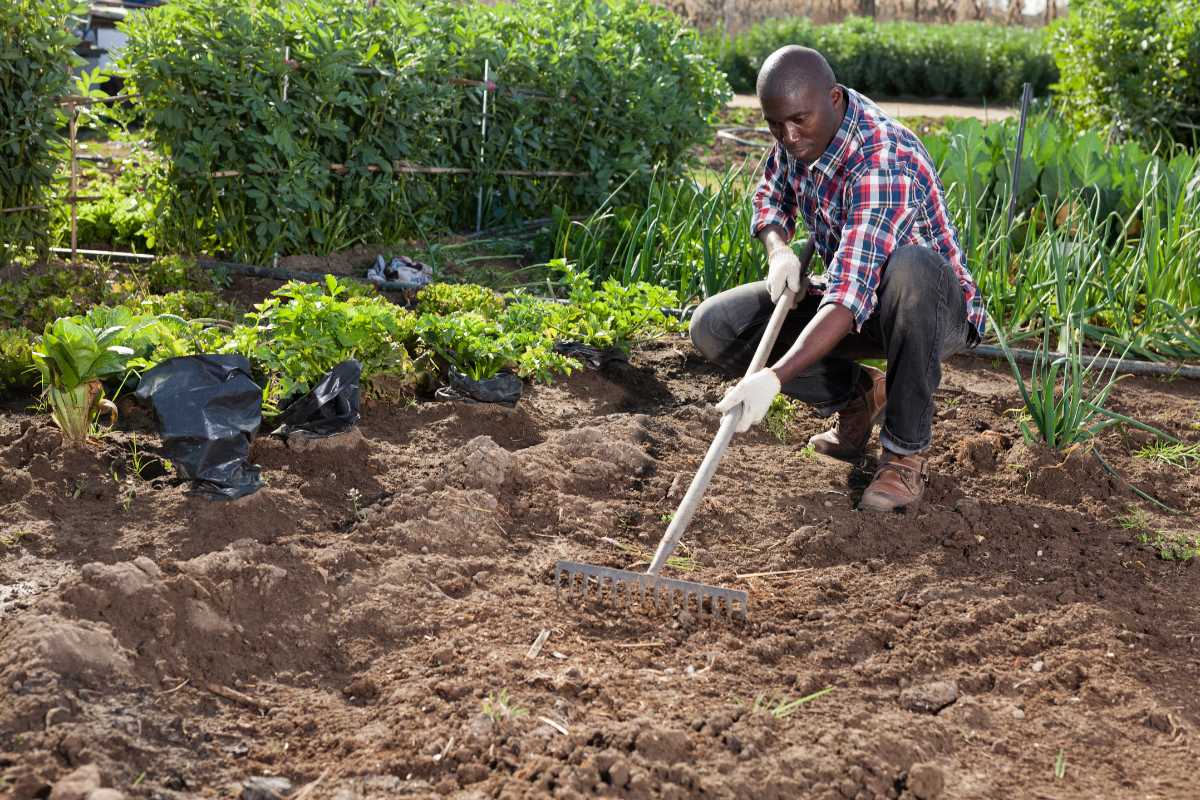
(209, 410)
(504, 387)
(592, 357)
(331, 407)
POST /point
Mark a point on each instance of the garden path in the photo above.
(921, 108)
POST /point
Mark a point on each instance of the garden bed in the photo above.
(365, 619)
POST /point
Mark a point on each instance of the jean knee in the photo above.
(704, 330)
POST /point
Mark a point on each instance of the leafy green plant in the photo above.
(36, 56)
(781, 417)
(304, 329)
(120, 218)
(17, 369)
(498, 707)
(452, 298)
(73, 358)
(614, 314)
(473, 344)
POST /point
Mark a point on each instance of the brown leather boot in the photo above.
(898, 484)
(847, 439)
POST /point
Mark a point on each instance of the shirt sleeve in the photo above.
(774, 201)
(880, 212)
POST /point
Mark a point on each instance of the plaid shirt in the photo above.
(873, 190)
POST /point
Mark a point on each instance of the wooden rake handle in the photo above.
(708, 467)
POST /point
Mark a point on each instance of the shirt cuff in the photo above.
(772, 216)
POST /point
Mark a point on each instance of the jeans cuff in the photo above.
(900, 446)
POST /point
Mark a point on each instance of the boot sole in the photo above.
(894, 509)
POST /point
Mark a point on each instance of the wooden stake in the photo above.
(73, 110)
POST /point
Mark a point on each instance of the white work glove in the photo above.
(783, 271)
(754, 394)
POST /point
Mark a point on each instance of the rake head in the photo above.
(624, 588)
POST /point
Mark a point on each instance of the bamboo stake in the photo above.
(482, 140)
(418, 169)
(15, 209)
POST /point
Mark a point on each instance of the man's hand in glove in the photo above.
(754, 394)
(783, 271)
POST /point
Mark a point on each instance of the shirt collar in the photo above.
(839, 148)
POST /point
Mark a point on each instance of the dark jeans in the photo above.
(920, 320)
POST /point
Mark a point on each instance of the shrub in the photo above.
(35, 56)
(972, 61)
(1131, 66)
(603, 88)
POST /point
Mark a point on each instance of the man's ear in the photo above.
(836, 94)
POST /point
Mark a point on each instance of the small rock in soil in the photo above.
(1039, 665)
(929, 698)
(1161, 721)
(926, 781)
(77, 785)
(1018, 713)
(266, 788)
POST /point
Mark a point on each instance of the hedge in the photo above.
(967, 61)
(35, 60)
(586, 86)
(1132, 67)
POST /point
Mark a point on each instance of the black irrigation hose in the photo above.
(1165, 368)
(237, 268)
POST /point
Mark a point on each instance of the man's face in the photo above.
(804, 122)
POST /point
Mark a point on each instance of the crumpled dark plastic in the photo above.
(330, 408)
(209, 410)
(504, 387)
(593, 357)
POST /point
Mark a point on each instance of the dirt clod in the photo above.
(77, 785)
(929, 698)
(926, 781)
(266, 788)
(666, 745)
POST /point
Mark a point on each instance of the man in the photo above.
(896, 284)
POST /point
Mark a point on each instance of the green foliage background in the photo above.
(971, 61)
(1132, 66)
(607, 88)
(35, 59)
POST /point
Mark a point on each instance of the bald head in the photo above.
(793, 70)
(801, 101)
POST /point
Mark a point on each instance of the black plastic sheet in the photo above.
(330, 408)
(504, 387)
(593, 357)
(209, 410)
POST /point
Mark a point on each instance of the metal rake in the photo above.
(626, 588)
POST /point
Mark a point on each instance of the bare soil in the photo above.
(379, 646)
